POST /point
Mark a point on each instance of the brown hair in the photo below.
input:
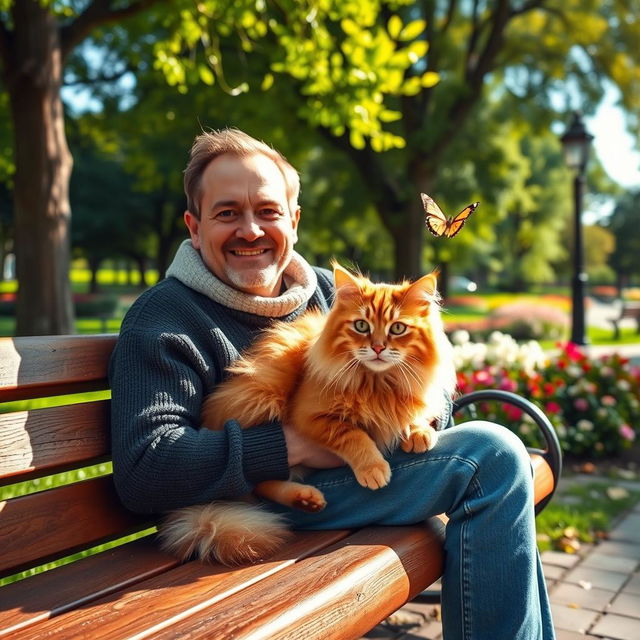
(211, 144)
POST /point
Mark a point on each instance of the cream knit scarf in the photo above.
(299, 277)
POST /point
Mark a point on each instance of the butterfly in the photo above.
(438, 223)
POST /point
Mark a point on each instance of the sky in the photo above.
(614, 145)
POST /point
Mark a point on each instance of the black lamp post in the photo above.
(576, 143)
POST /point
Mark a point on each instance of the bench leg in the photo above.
(616, 329)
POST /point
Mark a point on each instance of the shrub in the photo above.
(7, 304)
(95, 305)
(528, 321)
(604, 292)
(593, 403)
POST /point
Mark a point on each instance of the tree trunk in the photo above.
(33, 74)
(408, 243)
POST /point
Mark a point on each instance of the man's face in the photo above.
(246, 232)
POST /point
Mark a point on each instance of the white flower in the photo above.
(585, 425)
(460, 337)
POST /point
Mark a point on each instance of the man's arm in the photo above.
(162, 458)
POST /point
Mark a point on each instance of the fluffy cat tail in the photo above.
(232, 533)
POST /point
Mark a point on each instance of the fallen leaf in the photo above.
(588, 467)
(569, 545)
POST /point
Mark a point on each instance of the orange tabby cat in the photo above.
(367, 377)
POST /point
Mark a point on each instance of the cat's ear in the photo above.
(346, 283)
(424, 288)
(342, 277)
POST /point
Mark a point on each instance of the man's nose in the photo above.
(248, 228)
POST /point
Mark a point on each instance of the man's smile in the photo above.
(248, 252)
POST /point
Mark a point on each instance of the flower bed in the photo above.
(593, 403)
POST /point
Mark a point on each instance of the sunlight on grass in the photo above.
(582, 513)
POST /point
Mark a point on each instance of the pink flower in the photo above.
(483, 377)
(627, 432)
(512, 413)
(608, 401)
(581, 404)
(573, 351)
(508, 385)
(552, 407)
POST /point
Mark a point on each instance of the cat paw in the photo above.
(419, 440)
(308, 499)
(374, 476)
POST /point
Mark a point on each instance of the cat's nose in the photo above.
(378, 348)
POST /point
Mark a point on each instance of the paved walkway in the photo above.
(594, 594)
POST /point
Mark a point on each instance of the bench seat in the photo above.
(324, 584)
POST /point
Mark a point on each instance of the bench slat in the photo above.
(51, 365)
(51, 523)
(171, 596)
(51, 593)
(44, 441)
(543, 481)
(342, 592)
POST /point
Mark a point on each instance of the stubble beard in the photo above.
(248, 279)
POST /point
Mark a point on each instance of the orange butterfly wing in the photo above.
(455, 225)
(435, 220)
(438, 224)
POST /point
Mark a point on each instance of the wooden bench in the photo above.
(335, 584)
(629, 310)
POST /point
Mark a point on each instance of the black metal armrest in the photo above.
(552, 453)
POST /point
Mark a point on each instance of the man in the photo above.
(236, 273)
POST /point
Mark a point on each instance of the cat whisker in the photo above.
(406, 367)
(339, 374)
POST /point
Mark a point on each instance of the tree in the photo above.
(624, 223)
(37, 38)
(525, 53)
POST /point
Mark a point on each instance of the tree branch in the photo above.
(97, 13)
(100, 78)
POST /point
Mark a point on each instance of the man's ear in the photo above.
(193, 224)
(295, 219)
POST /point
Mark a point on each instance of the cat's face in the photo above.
(385, 326)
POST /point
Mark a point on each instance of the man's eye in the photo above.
(226, 213)
(269, 212)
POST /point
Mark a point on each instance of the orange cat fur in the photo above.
(367, 377)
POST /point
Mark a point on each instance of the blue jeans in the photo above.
(479, 474)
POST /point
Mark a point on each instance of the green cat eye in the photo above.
(361, 326)
(397, 328)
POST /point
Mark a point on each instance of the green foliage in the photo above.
(344, 60)
(624, 225)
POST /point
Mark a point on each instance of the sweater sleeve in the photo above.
(162, 459)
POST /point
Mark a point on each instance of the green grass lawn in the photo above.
(582, 514)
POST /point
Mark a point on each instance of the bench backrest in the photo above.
(50, 518)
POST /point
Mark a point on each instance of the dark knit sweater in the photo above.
(173, 348)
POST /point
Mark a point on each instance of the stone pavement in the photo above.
(594, 594)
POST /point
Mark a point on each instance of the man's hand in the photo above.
(303, 451)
